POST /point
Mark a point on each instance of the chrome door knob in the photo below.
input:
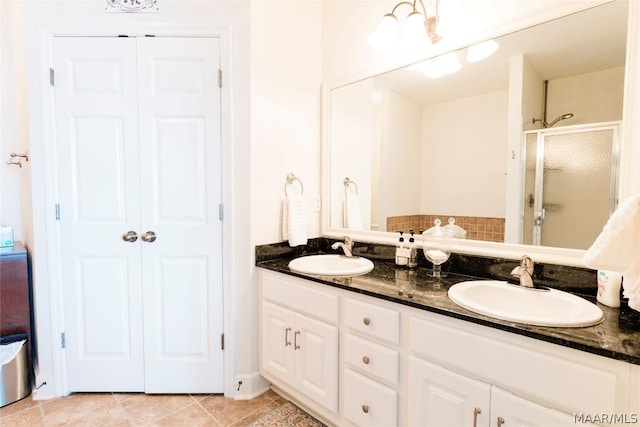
(130, 236)
(149, 237)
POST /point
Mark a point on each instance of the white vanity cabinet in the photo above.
(371, 362)
(299, 339)
(356, 360)
(439, 398)
(461, 370)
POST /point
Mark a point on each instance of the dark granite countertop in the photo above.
(617, 336)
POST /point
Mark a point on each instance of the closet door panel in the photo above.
(97, 146)
(180, 174)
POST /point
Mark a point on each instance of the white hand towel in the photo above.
(617, 248)
(352, 217)
(294, 228)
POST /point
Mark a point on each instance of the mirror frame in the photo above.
(629, 179)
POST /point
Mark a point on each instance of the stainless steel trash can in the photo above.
(15, 383)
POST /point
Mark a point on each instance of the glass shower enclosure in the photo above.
(570, 184)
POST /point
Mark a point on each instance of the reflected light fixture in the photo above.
(438, 66)
(480, 51)
(420, 30)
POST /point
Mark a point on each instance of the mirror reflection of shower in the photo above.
(554, 121)
(543, 120)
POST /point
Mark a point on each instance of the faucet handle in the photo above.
(527, 263)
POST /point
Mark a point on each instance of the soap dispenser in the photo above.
(402, 252)
(413, 252)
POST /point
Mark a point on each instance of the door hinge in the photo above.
(219, 77)
(63, 340)
(57, 211)
(52, 79)
(221, 341)
(220, 211)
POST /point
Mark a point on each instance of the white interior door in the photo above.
(99, 197)
(138, 134)
(181, 193)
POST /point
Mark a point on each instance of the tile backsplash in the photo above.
(477, 228)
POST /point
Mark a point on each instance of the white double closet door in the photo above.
(138, 164)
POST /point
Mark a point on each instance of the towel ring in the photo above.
(291, 178)
(347, 182)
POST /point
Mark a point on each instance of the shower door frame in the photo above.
(538, 209)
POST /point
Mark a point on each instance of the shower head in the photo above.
(557, 119)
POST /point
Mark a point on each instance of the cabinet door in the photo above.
(316, 360)
(276, 357)
(440, 398)
(513, 411)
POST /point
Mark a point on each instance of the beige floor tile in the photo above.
(29, 417)
(85, 409)
(228, 411)
(18, 406)
(145, 408)
(191, 416)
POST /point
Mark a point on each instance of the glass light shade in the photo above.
(384, 38)
(438, 67)
(480, 51)
(414, 37)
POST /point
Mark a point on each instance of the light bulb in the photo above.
(384, 38)
(414, 36)
(480, 51)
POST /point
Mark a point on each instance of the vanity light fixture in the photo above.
(420, 30)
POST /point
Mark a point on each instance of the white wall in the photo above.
(476, 153)
(14, 181)
(400, 157)
(285, 110)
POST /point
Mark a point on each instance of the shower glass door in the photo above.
(573, 172)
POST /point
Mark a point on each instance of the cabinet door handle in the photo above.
(366, 321)
(149, 237)
(476, 412)
(295, 340)
(500, 421)
(365, 360)
(130, 236)
(365, 409)
(287, 342)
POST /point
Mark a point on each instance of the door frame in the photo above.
(46, 263)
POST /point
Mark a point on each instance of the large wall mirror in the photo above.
(520, 147)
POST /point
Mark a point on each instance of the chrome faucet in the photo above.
(524, 271)
(347, 246)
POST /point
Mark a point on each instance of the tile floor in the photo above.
(134, 409)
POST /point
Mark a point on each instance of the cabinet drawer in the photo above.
(369, 403)
(372, 320)
(300, 296)
(372, 359)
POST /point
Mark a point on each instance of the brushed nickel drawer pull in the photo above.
(295, 340)
(476, 411)
(287, 342)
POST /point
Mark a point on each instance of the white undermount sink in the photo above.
(541, 307)
(331, 265)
